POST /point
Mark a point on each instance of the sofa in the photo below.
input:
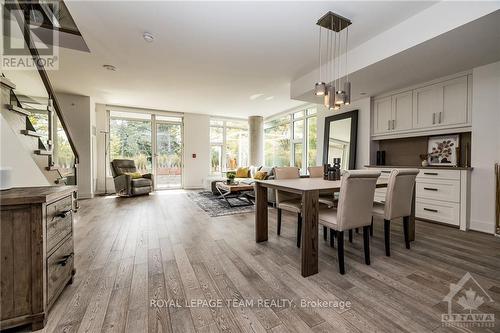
(126, 181)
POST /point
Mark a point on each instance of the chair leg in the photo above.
(387, 234)
(299, 229)
(325, 233)
(371, 228)
(340, 241)
(350, 236)
(357, 230)
(406, 230)
(332, 238)
(278, 231)
(366, 243)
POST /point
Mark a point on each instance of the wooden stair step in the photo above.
(31, 133)
(18, 109)
(43, 152)
(52, 168)
(61, 180)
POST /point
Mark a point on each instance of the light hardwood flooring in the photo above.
(163, 247)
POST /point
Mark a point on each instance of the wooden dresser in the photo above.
(37, 255)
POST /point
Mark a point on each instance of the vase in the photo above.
(425, 163)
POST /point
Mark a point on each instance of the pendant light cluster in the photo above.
(335, 90)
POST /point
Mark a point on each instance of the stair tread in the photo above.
(18, 109)
(31, 133)
(43, 152)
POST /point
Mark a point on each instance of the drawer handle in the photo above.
(64, 213)
(431, 173)
(430, 189)
(64, 259)
(431, 210)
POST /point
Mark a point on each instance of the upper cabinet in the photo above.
(428, 108)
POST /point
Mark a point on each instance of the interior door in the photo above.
(168, 171)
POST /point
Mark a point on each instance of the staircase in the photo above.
(20, 112)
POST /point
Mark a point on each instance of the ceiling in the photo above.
(207, 57)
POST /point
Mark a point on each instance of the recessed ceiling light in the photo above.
(255, 96)
(148, 37)
(269, 98)
(109, 67)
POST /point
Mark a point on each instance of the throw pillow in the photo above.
(260, 175)
(242, 173)
(133, 175)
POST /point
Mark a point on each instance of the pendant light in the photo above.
(333, 98)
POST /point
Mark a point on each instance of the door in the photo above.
(168, 155)
(382, 115)
(402, 107)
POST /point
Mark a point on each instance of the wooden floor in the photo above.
(163, 247)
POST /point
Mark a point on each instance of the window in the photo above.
(292, 139)
(228, 145)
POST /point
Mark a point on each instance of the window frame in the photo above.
(223, 145)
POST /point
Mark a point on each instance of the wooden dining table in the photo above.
(309, 189)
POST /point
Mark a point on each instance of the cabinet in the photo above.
(393, 113)
(434, 107)
(37, 252)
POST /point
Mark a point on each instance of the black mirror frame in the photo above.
(354, 136)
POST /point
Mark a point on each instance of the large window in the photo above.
(291, 139)
(228, 145)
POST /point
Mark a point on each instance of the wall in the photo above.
(363, 144)
(196, 141)
(25, 172)
(485, 145)
(77, 112)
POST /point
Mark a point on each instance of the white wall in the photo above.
(13, 155)
(485, 146)
(363, 143)
(77, 112)
(196, 141)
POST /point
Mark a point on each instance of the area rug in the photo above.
(214, 207)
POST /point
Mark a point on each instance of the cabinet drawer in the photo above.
(445, 190)
(445, 212)
(59, 269)
(59, 221)
(439, 174)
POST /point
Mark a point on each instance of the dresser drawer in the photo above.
(59, 221)
(445, 212)
(439, 174)
(444, 190)
(59, 269)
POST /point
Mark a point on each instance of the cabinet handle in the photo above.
(434, 118)
(64, 259)
(388, 125)
(64, 213)
(431, 173)
(440, 113)
(431, 210)
(430, 189)
(393, 123)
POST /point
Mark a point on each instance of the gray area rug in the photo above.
(217, 207)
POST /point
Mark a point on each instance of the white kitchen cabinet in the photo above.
(427, 103)
(402, 110)
(382, 115)
(454, 109)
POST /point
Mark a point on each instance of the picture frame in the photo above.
(442, 150)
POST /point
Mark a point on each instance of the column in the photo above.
(256, 140)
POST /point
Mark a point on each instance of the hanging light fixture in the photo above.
(333, 98)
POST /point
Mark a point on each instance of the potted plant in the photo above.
(424, 159)
(230, 177)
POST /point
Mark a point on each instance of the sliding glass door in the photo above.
(168, 155)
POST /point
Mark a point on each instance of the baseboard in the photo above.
(482, 226)
(194, 188)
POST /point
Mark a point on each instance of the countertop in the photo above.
(30, 195)
(419, 167)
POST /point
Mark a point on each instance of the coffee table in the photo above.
(239, 191)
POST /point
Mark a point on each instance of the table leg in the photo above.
(260, 213)
(310, 206)
(412, 217)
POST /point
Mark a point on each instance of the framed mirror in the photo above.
(341, 132)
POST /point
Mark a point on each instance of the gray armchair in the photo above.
(124, 184)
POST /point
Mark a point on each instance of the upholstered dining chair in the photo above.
(325, 197)
(289, 201)
(397, 203)
(354, 209)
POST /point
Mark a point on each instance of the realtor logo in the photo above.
(29, 35)
(465, 302)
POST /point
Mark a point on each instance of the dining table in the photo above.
(309, 189)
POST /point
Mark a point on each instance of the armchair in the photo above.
(125, 185)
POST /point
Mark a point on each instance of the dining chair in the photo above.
(397, 203)
(354, 210)
(325, 197)
(289, 201)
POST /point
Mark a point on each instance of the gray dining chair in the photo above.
(325, 197)
(354, 210)
(288, 201)
(397, 203)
